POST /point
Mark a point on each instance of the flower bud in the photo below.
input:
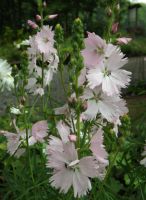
(52, 16)
(72, 101)
(109, 12)
(32, 24)
(118, 6)
(85, 105)
(22, 100)
(38, 18)
(72, 138)
(123, 40)
(44, 4)
(115, 27)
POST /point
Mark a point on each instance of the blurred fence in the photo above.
(137, 65)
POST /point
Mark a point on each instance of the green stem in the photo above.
(110, 166)
(78, 114)
(28, 149)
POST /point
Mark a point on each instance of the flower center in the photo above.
(106, 72)
(72, 165)
(100, 50)
(45, 40)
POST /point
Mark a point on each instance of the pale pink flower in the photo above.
(94, 49)
(32, 50)
(69, 170)
(98, 148)
(39, 91)
(13, 143)
(115, 27)
(108, 74)
(123, 40)
(45, 40)
(110, 107)
(143, 161)
(39, 132)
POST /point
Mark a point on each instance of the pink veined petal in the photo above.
(81, 184)
(13, 142)
(55, 144)
(62, 180)
(39, 130)
(107, 110)
(97, 146)
(95, 78)
(90, 57)
(63, 130)
(122, 77)
(109, 87)
(92, 110)
(82, 77)
(88, 166)
(70, 151)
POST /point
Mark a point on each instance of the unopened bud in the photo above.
(115, 27)
(52, 16)
(32, 24)
(38, 18)
(85, 105)
(109, 12)
(44, 4)
(22, 100)
(123, 40)
(72, 138)
(71, 100)
(118, 6)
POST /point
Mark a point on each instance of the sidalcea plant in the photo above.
(75, 150)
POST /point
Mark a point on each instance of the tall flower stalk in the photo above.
(73, 145)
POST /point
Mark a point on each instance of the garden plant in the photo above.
(81, 148)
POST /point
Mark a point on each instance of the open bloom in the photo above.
(45, 39)
(94, 49)
(108, 74)
(98, 150)
(38, 132)
(98, 103)
(6, 79)
(16, 141)
(68, 169)
(143, 161)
